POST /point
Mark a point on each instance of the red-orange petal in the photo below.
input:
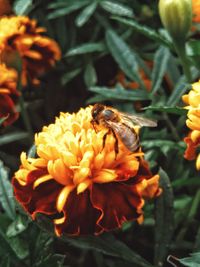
(123, 204)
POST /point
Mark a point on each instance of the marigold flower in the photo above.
(83, 187)
(192, 99)
(8, 94)
(38, 52)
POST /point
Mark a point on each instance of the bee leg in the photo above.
(104, 138)
(93, 125)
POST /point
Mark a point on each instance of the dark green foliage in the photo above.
(98, 39)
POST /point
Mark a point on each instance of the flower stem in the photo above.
(24, 112)
(181, 51)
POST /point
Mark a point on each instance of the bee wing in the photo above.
(138, 120)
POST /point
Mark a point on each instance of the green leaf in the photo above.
(148, 32)
(13, 137)
(19, 225)
(6, 193)
(67, 77)
(123, 55)
(86, 48)
(19, 246)
(163, 145)
(22, 7)
(164, 219)
(97, 98)
(116, 8)
(109, 245)
(90, 76)
(15, 247)
(67, 10)
(52, 261)
(172, 110)
(120, 93)
(86, 13)
(159, 68)
(180, 88)
(192, 261)
(3, 119)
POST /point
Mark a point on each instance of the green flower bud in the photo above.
(176, 16)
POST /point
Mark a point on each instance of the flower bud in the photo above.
(176, 16)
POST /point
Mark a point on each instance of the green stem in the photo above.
(171, 126)
(24, 112)
(181, 51)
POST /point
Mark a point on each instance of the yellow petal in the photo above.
(41, 180)
(198, 162)
(62, 198)
(105, 176)
(83, 186)
(80, 175)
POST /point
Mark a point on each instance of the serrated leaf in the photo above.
(116, 8)
(123, 55)
(6, 193)
(67, 10)
(108, 245)
(19, 225)
(148, 32)
(159, 68)
(67, 77)
(172, 110)
(86, 48)
(192, 261)
(90, 76)
(120, 94)
(13, 137)
(96, 99)
(86, 13)
(19, 246)
(51, 261)
(180, 88)
(164, 219)
(15, 247)
(22, 7)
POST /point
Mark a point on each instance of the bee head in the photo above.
(97, 108)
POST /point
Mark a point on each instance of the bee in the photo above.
(121, 125)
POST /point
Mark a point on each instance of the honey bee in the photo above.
(121, 125)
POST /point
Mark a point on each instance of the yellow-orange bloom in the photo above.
(83, 187)
(192, 99)
(38, 52)
(196, 11)
(8, 94)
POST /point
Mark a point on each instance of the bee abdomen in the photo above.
(129, 138)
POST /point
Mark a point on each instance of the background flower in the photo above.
(192, 99)
(38, 52)
(8, 94)
(81, 184)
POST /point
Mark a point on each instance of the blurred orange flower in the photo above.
(21, 39)
(192, 99)
(83, 187)
(196, 11)
(121, 78)
(5, 7)
(8, 94)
